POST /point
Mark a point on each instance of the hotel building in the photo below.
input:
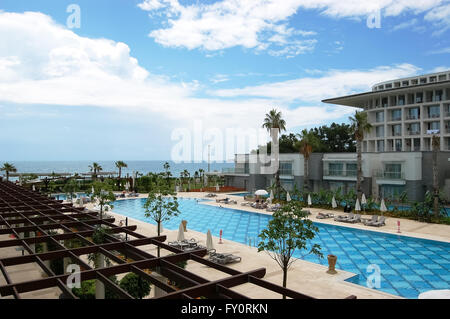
(397, 151)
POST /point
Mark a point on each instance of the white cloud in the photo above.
(441, 51)
(331, 84)
(263, 24)
(260, 25)
(405, 25)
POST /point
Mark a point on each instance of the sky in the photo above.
(163, 79)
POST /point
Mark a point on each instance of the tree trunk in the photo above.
(285, 271)
(7, 176)
(435, 177)
(359, 169)
(159, 234)
(305, 173)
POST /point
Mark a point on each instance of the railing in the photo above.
(339, 173)
(433, 116)
(447, 114)
(414, 133)
(412, 117)
(286, 172)
(397, 118)
(389, 175)
(235, 170)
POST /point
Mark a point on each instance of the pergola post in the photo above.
(99, 286)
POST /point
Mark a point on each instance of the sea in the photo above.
(142, 167)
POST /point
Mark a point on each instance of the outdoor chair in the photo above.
(224, 259)
(380, 222)
(353, 220)
(343, 218)
(371, 221)
(324, 215)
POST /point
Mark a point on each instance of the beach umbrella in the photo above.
(333, 202)
(383, 206)
(288, 197)
(92, 190)
(271, 197)
(261, 192)
(309, 200)
(209, 241)
(180, 232)
(357, 205)
(363, 199)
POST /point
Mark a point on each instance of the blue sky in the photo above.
(136, 71)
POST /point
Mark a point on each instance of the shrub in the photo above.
(135, 285)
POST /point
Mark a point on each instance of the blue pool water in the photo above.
(408, 265)
(64, 196)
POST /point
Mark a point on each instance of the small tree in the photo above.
(135, 285)
(103, 195)
(70, 188)
(8, 168)
(288, 231)
(161, 204)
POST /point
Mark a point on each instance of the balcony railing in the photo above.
(389, 175)
(447, 114)
(414, 133)
(235, 170)
(339, 173)
(412, 117)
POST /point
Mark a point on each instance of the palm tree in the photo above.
(8, 168)
(307, 143)
(95, 168)
(202, 174)
(360, 125)
(436, 145)
(120, 165)
(274, 120)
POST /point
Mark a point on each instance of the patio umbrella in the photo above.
(217, 188)
(383, 206)
(92, 190)
(271, 195)
(363, 199)
(180, 236)
(333, 202)
(209, 241)
(309, 200)
(261, 192)
(357, 205)
(288, 197)
(34, 188)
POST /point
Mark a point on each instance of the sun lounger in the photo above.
(380, 222)
(355, 219)
(222, 200)
(343, 218)
(210, 195)
(246, 204)
(371, 221)
(224, 259)
(324, 215)
(273, 208)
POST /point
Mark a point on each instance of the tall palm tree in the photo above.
(95, 168)
(120, 165)
(274, 120)
(306, 145)
(8, 168)
(359, 125)
(436, 146)
(202, 174)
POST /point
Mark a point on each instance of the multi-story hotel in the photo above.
(397, 151)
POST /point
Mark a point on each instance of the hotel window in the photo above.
(335, 169)
(380, 117)
(401, 100)
(351, 169)
(423, 80)
(379, 131)
(413, 114)
(398, 145)
(434, 126)
(393, 170)
(396, 115)
(434, 111)
(414, 129)
(285, 168)
(391, 191)
(438, 95)
(384, 102)
(334, 186)
(287, 184)
(380, 146)
(447, 110)
(416, 144)
(397, 130)
(419, 97)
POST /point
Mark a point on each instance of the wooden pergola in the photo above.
(32, 219)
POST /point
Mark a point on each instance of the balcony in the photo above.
(397, 118)
(414, 133)
(339, 174)
(381, 174)
(235, 170)
(434, 116)
(447, 114)
(412, 117)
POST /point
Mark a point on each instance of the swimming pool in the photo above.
(408, 265)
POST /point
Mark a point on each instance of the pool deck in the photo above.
(305, 277)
